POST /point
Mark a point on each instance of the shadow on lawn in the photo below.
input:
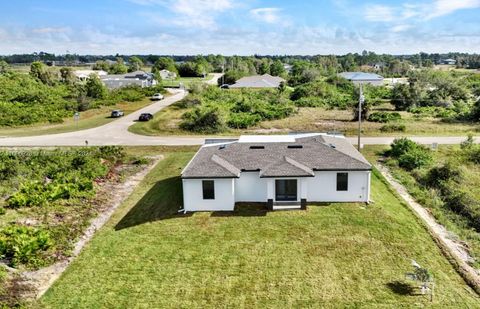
(161, 202)
(401, 288)
(244, 210)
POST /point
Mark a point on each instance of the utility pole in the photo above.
(361, 99)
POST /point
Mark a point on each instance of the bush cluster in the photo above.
(393, 128)
(384, 117)
(214, 110)
(409, 154)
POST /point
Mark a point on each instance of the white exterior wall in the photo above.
(323, 187)
(193, 195)
(250, 188)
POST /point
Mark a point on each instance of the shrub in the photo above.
(439, 175)
(384, 117)
(401, 146)
(203, 119)
(393, 128)
(23, 245)
(2, 211)
(415, 158)
(243, 120)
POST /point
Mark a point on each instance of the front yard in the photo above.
(334, 255)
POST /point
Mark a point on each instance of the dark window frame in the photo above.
(342, 181)
(208, 189)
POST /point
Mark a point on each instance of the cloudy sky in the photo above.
(239, 27)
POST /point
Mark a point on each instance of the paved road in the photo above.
(116, 133)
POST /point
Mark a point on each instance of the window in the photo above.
(208, 187)
(342, 181)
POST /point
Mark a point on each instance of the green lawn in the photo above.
(185, 81)
(88, 119)
(335, 255)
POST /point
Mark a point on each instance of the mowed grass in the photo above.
(330, 256)
(88, 119)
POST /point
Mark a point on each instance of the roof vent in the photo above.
(332, 146)
(222, 147)
(295, 146)
(257, 147)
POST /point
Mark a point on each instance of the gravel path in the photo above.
(447, 241)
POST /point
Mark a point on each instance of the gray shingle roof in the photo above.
(276, 159)
(258, 81)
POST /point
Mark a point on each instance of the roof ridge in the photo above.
(299, 165)
(225, 164)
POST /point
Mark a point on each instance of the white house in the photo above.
(137, 78)
(283, 171)
(166, 74)
(83, 75)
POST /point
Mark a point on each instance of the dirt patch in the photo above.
(39, 281)
(456, 251)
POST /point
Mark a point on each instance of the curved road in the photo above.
(116, 132)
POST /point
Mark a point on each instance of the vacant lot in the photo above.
(317, 119)
(335, 255)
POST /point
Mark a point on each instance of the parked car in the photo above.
(157, 97)
(145, 117)
(116, 113)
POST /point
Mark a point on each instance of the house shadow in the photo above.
(401, 288)
(244, 210)
(161, 202)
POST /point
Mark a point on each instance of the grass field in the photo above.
(318, 119)
(185, 81)
(330, 256)
(88, 119)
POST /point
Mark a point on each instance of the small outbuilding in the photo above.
(363, 78)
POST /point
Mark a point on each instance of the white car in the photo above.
(157, 96)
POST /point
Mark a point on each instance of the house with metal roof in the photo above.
(363, 78)
(258, 81)
(281, 171)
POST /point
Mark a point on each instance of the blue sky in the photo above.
(239, 27)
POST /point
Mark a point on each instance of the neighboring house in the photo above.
(287, 67)
(258, 81)
(137, 78)
(166, 74)
(449, 61)
(282, 171)
(363, 78)
(83, 75)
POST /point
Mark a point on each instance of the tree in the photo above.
(119, 67)
(101, 65)
(95, 88)
(4, 67)
(67, 76)
(39, 71)
(135, 64)
(277, 69)
(164, 63)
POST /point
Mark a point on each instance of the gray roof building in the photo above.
(276, 156)
(258, 81)
(363, 78)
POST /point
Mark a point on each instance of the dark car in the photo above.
(116, 114)
(145, 117)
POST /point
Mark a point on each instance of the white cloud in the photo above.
(268, 15)
(401, 28)
(50, 30)
(189, 13)
(445, 7)
(375, 12)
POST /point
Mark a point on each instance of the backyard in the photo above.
(332, 255)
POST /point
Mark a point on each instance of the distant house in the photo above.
(287, 67)
(166, 74)
(258, 81)
(137, 78)
(363, 78)
(85, 74)
(449, 61)
(282, 171)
